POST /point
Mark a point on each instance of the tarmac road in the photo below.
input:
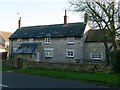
(15, 80)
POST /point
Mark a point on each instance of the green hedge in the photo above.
(115, 61)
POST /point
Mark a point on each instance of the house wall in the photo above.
(59, 45)
(90, 47)
(2, 41)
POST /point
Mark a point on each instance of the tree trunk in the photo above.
(107, 49)
(107, 57)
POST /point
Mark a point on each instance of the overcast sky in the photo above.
(34, 12)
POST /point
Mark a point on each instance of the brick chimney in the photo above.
(19, 23)
(65, 17)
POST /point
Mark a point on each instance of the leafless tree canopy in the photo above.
(104, 15)
(100, 11)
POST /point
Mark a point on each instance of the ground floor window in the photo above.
(70, 52)
(48, 52)
(96, 55)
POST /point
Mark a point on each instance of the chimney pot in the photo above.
(65, 17)
(19, 23)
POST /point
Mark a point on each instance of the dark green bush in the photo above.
(115, 61)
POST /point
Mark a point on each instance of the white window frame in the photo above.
(46, 52)
(47, 40)
(70, 51)
(96, 55)
(70, 40)
(31, 39)
(19, 41)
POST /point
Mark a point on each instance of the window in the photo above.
(48, 52)
(31, 39)
(47, 40)
(70, 40)
(70, 53)
(19, 41)
(96, 55)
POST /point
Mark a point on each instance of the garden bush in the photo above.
(115, 61)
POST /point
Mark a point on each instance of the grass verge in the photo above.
(7, 68)
(101, 78)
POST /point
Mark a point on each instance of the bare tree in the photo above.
(104, 15)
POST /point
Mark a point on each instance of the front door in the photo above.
(37, 56)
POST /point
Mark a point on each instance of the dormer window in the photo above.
(31, 39)
(70, 40)
(47, 40)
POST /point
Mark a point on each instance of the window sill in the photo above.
(70, 43)
(49, 57)
(47, 43)
(70, 56)
(97, 59)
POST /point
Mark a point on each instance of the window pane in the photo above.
(70, 53)
(49, 53)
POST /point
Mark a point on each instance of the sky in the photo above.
(34, 12)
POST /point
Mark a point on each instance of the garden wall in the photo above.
(57, 66)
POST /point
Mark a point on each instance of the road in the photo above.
(14, 80)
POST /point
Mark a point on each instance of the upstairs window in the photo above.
(70, 40)
(70, 53)
(96, 55)
(47, 40)
(31, 39)
(19, 41)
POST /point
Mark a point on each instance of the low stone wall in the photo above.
(8, 63)
(59, 66)
(70, 66)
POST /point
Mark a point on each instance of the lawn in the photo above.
(100, 78)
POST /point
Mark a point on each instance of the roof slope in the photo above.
(57, 30)
(5, 35)
(2, 41)
(95, 36)
(27, 48)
